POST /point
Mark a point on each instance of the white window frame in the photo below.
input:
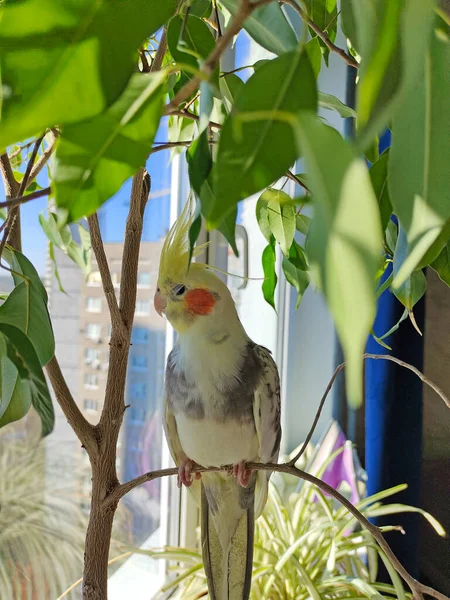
(90, 386)
(92, 336)
(96, 301)
(142, 313)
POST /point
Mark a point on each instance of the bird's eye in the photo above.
(179, 289)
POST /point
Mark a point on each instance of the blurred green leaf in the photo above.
(344, 241)
(200, 8)
(280, 216)
(26, 306)
(268, 26)
(65, 61)
(194, 45)
(295, 269)
(230, 86)
(379, 176)
(270, 276)
(302, 223)
(442, 264)
(200, 163)
(371, 152)
(312, 47)
(392, 39)
(3, 214)
(95, 157)
(20, 352)
(347, 22)
(261, 150)
(332, 103)
(206, 105)
(418, 181)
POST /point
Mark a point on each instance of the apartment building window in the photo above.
(91, 355)
(138, 390)
(138, 362)
(144, 279)
(93, 304)
(115, 277)
(93, 331)
(90, 404)
(94, 278)
(91, 380)
(139, 335)
(142, 307)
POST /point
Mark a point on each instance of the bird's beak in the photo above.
(159, 303)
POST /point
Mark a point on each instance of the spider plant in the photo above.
(41, 527)
(306, 546)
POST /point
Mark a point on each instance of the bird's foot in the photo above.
(185, 475)
(242, 474)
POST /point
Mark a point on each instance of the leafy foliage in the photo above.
(246, 134)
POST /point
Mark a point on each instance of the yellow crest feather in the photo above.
(174, 261)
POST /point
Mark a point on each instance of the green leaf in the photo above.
(194, 232)
(262, 218)
(20, 352)
(344, 241)
(332, 103)
(394, 327)
(14, 403)
(230, 86)
(410, 292)
(199, 161)
(418, 181)
(51, 253)
(261, 150)
(302, 223)
(347, 22)
(379, 177)
(281, 217)
(206, 105)
(62, 62)
(26, 306)
(324, 14)
(442, 264)
(312, 47)
(295, 269)
(268, 26)
(194, 45)
(200, 8)
(392, 41)
(95, 157)
(270, 276)
(3, 214)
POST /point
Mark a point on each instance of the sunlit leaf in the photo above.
(281, 217)
(261, 150)
(268, 26)
(65, 61)
(262, 218)
(324, 14)
(95, 157)
(344, 241)
(302, 223)
(332, 103)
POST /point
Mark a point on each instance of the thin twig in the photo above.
(194, 117)
(321, 34)
(24, 199)
(105, 274)
(294, 178)
(44, 158)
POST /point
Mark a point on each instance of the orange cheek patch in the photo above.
(200, 302)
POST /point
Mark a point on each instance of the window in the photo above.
(94, 278)
(91, 355)
(90, 404)
(142, 307)
(139, 335)
(115, 277)
(138, 390)
(93, 304)
(138, 362)
(90, 380)
(144, 279)
(93, 331)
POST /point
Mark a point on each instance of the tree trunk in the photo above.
(98, 536)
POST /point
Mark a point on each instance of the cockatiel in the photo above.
(222, 406)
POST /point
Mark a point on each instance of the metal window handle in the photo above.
(242, 233)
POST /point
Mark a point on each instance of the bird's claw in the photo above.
(185, 475)
(242, 474)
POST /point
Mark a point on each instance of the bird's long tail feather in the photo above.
(227, 541)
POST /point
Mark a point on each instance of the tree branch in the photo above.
(74, 416)
(246, 7)
(105, 274)
(44, 158)
(190, 115)
(24, 199)
(321, 34)
(296, 180)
